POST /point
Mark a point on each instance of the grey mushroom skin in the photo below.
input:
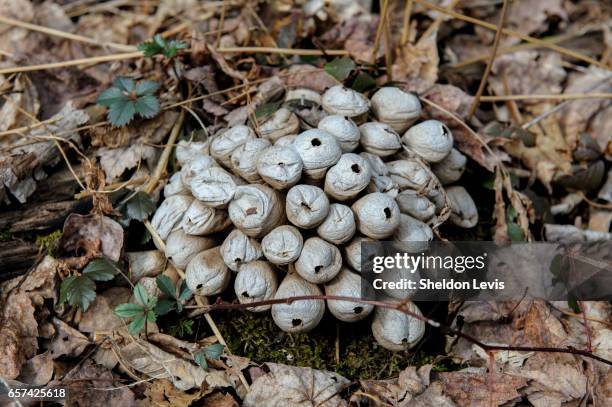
(190, 150)
(379, 139)
(238, 249)
(256, 209)
(431, 140)
(345, 102)
(319, 261)
(343, 129)
(244, 159)
(256, 281)
(207, 274)
(181, 247)
(412, 235)
(306, 206)
(280, 167)
(451, 168)
(395, 107)
(377, 215)
(223, 145)
(200, 219)
(148, 263)
(175, 186)
(347, 284)
(416, 205)
(463, 209)
(348, 177)
(282, 245)
(318, 150)
(170, 214)
(194, 167)
(339, 225)
(395, 330)
(282, 123)
(286, 141)
(380, 180)
(410, 174)
(214, 187)
(352, 251)
(301, 315)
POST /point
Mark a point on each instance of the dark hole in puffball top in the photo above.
(315, 142)
(305, 206)
(355, 168)
(317, 269)
(296, 322)
(199, 286)
(445, 130)
(358, 310)
(387, 213)
(237, 260)
(404, 340)
(245, 294)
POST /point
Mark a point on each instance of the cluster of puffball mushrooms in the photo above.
(286, 206)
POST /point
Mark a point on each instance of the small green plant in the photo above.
(177, 296)
(81, 290)
(126, 98)
(345, 70)
(48, 243)
(158, 45)
(142, 311)
(213, 351)
(182, 329)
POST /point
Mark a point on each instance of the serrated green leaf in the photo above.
(129, 310)
(266, 110)
(121, 113)
(515, 232)
(140, 206)
(140, 293)
(100, 269)
(146, 87)
(124, 83)
(164, 307)
(151, 317)
(200, 359)
(363, 82)
(165, 284)
(111, 96)
(159, 41)
(147, 106)
(185, 292)
(78, 290)
(137, 324)
(340, 68)
(213, 351)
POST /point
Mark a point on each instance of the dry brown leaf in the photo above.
(161, 393)
(116, 161)
(308, 76)
(18, 332)
(93, 234)
(420, 60)
(100, 316)
(296, 386)
(356, 35)
(481, 389)
(37, 371)
(219, 399)
(67, 341)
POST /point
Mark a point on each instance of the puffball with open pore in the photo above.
(297, 316)
(207, 274)
(256, 281)
(377, 215)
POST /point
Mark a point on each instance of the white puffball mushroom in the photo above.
(280, 167)
(339, 225)
(181, 247)
(282, 245)
(195, 167)
(409, 174)
(345, 102)
(431, 140)
(301, 315)
(412, 235)
(463, 209)
(379, 138)
(380, 180)
(281, 123)
(256, 209)
(318, 150)
(416, 205)
(395, 330)
(306, 206)
(347, 284)
(285, 141)
(377, 215)
(244, 159)
(256, 281)
(395, 107)
(451, 168)
(238, 249)
(319, 261)
(343, 129)
(200, 219)
(223, 145)
(206, 274)
(190, 150)
(169, 214)
(214, 186)
(348, 177)
(352, 251)
(148, 263)
(175, 186)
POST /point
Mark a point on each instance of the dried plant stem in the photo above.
(527, 38)
(287, 51)
(561, 96)
(22, 129)
(62, 34)
(485, 75)
(205, 309)
(73, 62)
(406, 23)
(379, 31)
(221, 22)
(388, 48)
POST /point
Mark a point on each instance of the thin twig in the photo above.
(402, 308)
(73, 62)
(379, 30)
(485, 76)
(286, 51)
(221, 22)
(561, 96)
(406, 23)
(527, 38)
